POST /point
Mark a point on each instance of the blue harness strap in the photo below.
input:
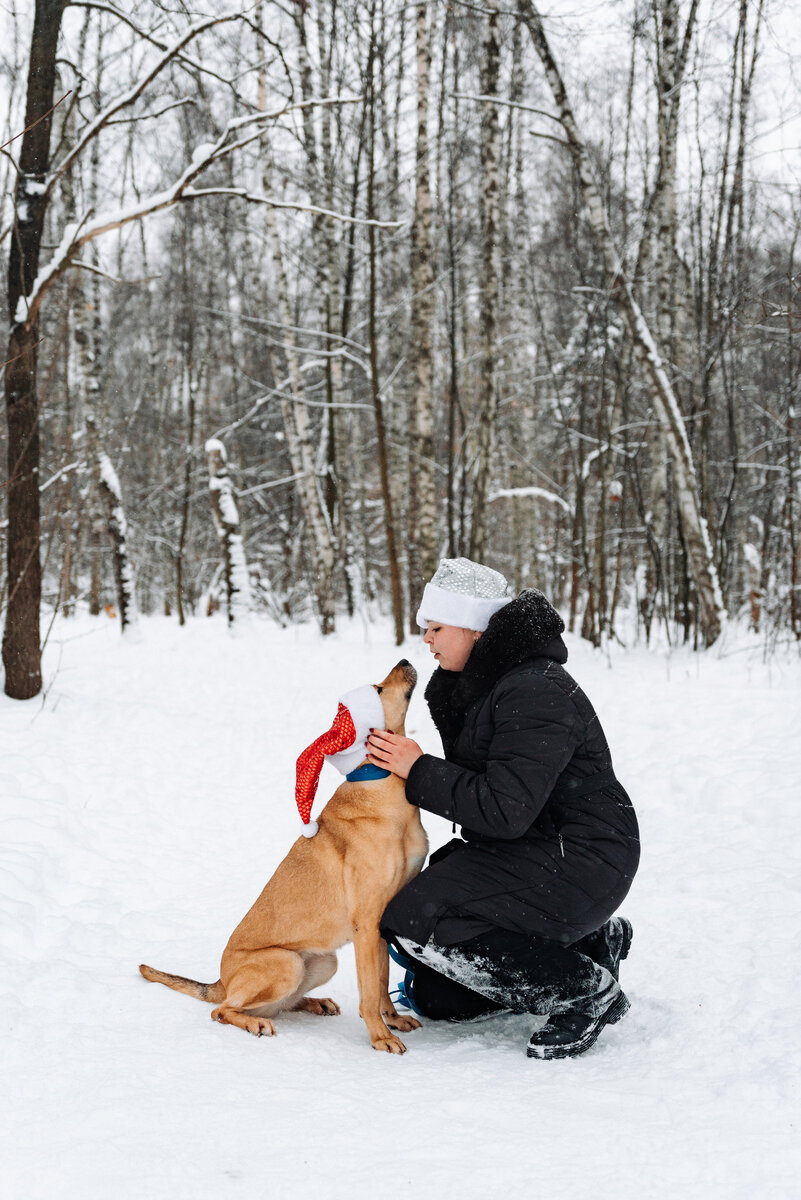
(367, 771)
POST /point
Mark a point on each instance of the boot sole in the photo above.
(616, 1011)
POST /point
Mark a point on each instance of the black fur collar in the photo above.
(526, 627)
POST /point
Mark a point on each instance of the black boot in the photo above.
(574, 1030)
(608, 945)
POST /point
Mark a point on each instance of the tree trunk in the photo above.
(396, 590)
(226, 522)
(659, 243)
(422, 503)
(108, 486)
(189, 398)
(297, 425)
(696, 535)
(21, 649)
(488, 283)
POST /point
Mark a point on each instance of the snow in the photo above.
(148, 797)
(30, 186)
(228, 510)
(540, 493)
(203, 152)
(752, 556)
(110, 478)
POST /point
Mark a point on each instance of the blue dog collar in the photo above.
(367, 771)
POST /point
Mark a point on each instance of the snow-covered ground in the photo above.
(150, 795)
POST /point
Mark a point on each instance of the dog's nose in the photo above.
(404, 662)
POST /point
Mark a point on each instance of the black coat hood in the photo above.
(528, 627)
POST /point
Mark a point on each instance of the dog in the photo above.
(329, 890)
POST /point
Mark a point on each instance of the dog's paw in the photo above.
(255, 1025)
(405, 1024)
(321, 1006)
(259, 1026)
(390, 1043)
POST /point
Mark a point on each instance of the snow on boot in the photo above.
(573, 1030)
(608, 945)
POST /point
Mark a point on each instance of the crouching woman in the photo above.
(517, 914)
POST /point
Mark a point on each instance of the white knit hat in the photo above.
(463, 593)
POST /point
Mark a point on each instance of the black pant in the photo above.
(499, 971)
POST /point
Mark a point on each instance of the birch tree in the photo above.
(297, 424)
(488, 280)
(226, 522)
(422, 500)
(658, 245)
(27, 288)
(694, 525)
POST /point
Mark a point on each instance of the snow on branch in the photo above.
(192, 63)
(73, 466)
(76, 235)
(255, 198)
(134, 92)
(538, 492)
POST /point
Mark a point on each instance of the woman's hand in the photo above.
(393, 752)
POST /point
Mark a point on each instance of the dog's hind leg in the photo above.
(261, 985)
(319, 969)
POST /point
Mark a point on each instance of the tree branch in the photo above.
(76, 236)
(132, 95)
(255, 198)
(36, 122)
(184, 60)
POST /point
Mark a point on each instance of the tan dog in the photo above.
(329, 890)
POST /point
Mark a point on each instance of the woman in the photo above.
(516, 915)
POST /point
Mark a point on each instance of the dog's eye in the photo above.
(379, 690)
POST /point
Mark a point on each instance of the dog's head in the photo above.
(395, 693)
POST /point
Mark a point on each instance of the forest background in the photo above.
(303, 296)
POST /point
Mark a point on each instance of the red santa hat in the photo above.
(343, 745)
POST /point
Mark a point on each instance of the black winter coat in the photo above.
(546, 851)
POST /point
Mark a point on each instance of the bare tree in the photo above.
(422, 501)
(694, 525)
(488, 282)
(21, 655)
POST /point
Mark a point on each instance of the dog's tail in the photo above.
(212, 992)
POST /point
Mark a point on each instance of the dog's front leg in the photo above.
(367, 943)
(388, 1010)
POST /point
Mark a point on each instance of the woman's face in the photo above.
(450, 644)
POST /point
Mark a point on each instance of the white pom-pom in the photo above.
(310, 829)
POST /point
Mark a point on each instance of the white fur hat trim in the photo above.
(457, 608)
(367, 712)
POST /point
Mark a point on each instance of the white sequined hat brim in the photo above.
(457, 608)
